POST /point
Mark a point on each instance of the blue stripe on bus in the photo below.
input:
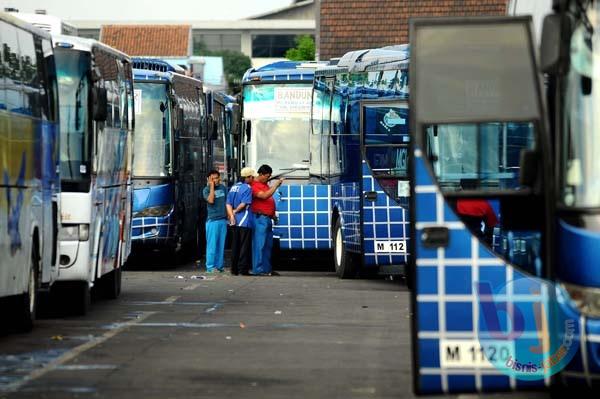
(450, 301)
(304, 216)
(383, 220)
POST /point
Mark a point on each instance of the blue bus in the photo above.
(171, 158)
(276, 101)
(225, 112)
(28, 162)
(516, 309)
(358, 150)
(347, 190)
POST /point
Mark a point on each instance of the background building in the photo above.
(264, 38)
(160, 41)
(346, 25)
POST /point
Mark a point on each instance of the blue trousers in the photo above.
(216, 231)
(262, 244)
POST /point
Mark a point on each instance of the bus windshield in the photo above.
(72, 69)
(152, 144)
(580, 182)
(280, 117)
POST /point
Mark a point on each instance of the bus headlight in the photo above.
(587, 299)
(154, 211)
(84, 232)
(74, 232)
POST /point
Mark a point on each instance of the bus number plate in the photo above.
(390, 247)
(472, 354)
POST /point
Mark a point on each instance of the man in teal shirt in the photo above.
(215, 194)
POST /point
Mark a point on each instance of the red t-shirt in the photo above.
(477, 208)
(264, 206)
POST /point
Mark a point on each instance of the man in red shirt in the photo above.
(473, 212)
(263, 206)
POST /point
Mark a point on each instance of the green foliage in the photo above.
(235, 64)
(304, 50)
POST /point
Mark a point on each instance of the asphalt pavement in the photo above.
(180, 333)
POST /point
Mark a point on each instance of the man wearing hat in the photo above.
(242, 222)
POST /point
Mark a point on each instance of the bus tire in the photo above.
(409, 277)
(27, 302)
(81, 294)
(111, 284)
(345, 264)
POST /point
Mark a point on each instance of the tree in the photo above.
(304, 50)
(235, 64)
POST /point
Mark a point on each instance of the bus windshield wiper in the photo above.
(287, 172)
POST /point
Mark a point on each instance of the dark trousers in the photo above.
(241, 250)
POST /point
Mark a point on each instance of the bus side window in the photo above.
(30, 81)
(116, 98)
(12, 65)
(42, 79)
(3, 67)
(477, 168)
(317, 106)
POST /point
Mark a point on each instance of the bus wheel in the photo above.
(111, 284)
(82, 297)
(345, 265)
(27, 302)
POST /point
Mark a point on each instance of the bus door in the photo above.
(321, 127)
(385, 187)
(480, 208)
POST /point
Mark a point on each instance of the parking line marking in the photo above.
(73, 353)
(192, 287)
(213, 308)
(171, 299)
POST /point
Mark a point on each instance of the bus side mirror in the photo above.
(214, 129)
(235, 123)
(528, 168)
(99, 104)
(163, 108)
(180, 118)
(554, 49)
(248, 131)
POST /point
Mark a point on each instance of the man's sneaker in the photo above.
(274, 274)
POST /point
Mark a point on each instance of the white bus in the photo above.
(49, 23)
(28, 164)
(96, 112)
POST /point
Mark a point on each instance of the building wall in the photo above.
(347, 25)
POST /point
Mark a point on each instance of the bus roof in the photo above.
(21, 24)
(157, 69)
(151, 69)
(282, 71)
(222, 97)
(85, 44)
(155, 64)
(49, 23)
(390, 57)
